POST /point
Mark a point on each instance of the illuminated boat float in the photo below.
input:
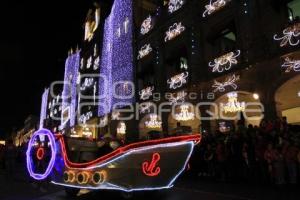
(148, 165)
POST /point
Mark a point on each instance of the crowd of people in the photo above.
(269, 153)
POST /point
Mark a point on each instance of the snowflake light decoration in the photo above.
(230, 82)
(291, 65)
(144, 51)
(225, 62)
(178, 80)
(213, 6)
(290, 35)
(175, 5)
(146, 26)
(175, 30)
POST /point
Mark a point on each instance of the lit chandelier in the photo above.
(214, 6)
(144, 51)
(153, 123)
(185, 114)
(178, 80)
(174, 31)
(290, 65)
(146, 93)
(175, 5)
(225, 62)
(146, 26)
(121, 128)
(233, 104)
(290, 35)
(230, 82)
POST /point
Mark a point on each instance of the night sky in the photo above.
(35, 39)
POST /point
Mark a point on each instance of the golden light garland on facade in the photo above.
(178, 80)
(214, 6)
(144, 51)
(225, 62)
(146, 25)
(146, 93)
(290, 35)
(230, 82)
(291, 65)
(175, 30)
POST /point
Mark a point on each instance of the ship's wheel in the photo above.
(41, 154)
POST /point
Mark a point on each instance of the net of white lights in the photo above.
(233, 105)
(121, 128)
(153, 122)
(146, 26)
(291, 65)
(178, 97)
(230, 82)
(225, 62)
(178, 80)
(144, 51)
(175, 5)
(213, 6)
(146, 93)
(185, 114)
(175, 30)
(289, 36)
(145, 107)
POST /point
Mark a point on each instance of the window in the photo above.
(294, 9)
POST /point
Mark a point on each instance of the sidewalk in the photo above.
(21, 187)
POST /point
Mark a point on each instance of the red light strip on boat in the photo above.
(196, 138)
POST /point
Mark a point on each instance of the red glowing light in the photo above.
(196, 138)
(151, 168)
(40, 153)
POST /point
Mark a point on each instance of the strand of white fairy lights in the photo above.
(178, 80)
(144, 51)
(146, 93)
(225, 62)
(290, 35)
(230, 82)
(146, 26)
(175, 30)
(290, 65)
(213, 6)
(175, 5)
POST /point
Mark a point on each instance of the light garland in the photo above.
(291, 65)
(225, 62)
(175, 5)
(146, 93)
(230, 82)
(96, 63)
(85, 117)
(121, 128)
(233, 105)
(290, 35)
(144, 51)
(185, 114)
(213, 6)
(153, 122)
(178, 98)
(178, 80)
(43, 114)
(146, 26)
(175, 30)
(88, 82)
